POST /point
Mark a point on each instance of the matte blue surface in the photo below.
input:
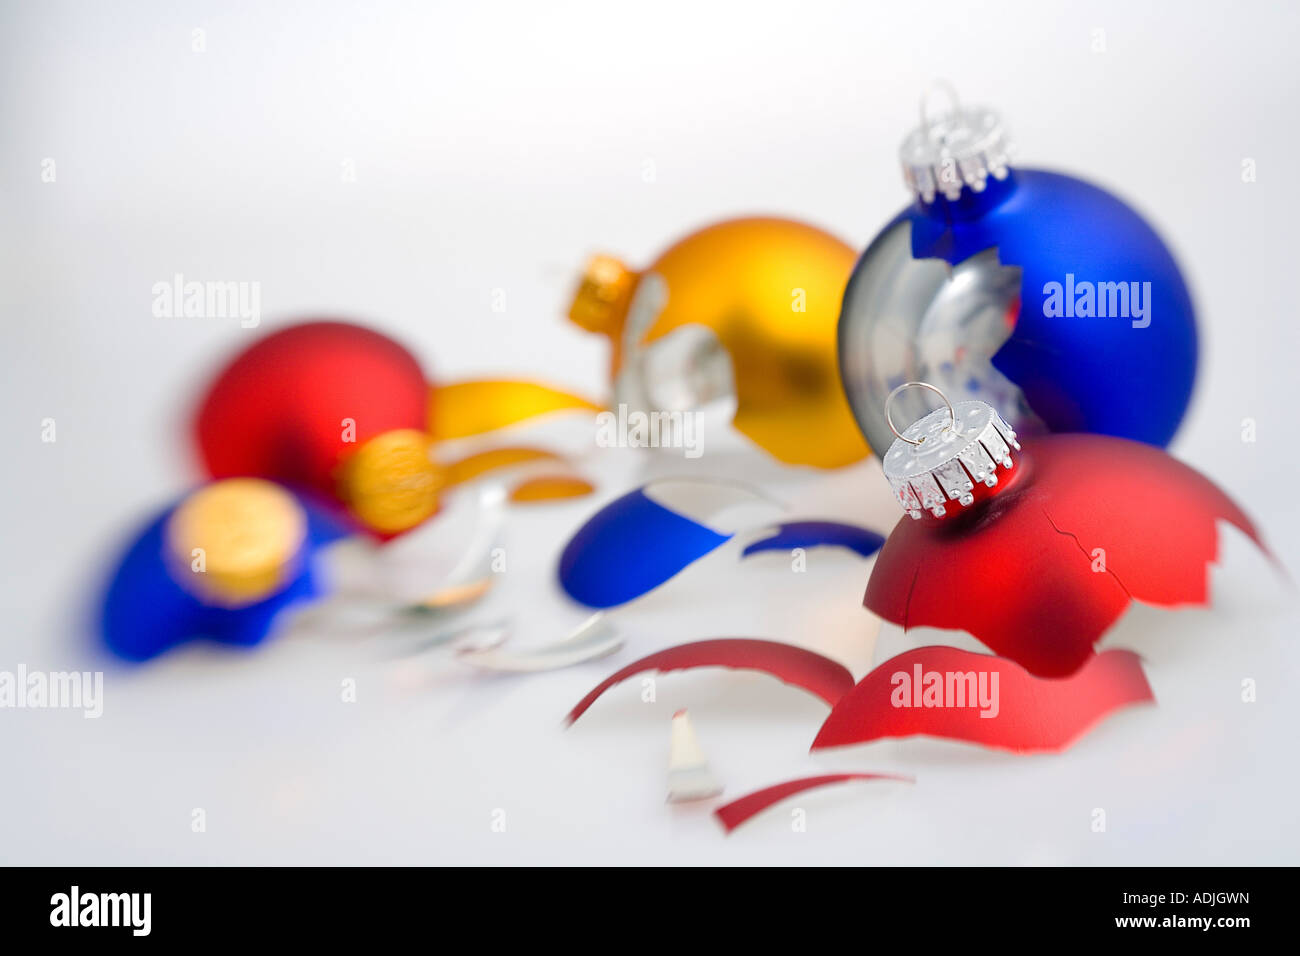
(1078, 374)
(145, 612)
(815, 534)
(629, 547)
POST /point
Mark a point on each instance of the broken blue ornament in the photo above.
(1036, 292)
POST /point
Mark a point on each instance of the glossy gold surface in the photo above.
(462, 409)
(551, 488)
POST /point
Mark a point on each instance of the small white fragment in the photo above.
(689, 776)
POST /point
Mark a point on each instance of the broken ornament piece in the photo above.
(959, 695)
(814, 672)
(689, 775)
(733, 814)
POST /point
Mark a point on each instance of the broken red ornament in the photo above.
(960, 695)
(1037, 551)
(736, 812)
(795, 665)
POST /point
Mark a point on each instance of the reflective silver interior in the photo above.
(687, 370)
(924, 320)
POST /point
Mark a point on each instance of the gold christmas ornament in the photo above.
(744, 310)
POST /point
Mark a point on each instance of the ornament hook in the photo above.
(890, 401)
(938, 86)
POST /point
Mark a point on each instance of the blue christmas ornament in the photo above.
(1038, 293)
(220, 564)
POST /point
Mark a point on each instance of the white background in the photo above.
(496, 146)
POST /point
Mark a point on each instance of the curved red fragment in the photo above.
(1041, 570)
(815, 673)
(1010, 710)
(736, 812)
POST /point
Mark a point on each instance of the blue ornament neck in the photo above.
(970, 204)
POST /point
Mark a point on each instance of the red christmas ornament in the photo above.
(331, 407)
(1036, 552)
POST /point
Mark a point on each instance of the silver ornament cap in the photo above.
(954, 150)
(939, 458)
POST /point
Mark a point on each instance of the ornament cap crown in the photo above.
(247, 532)
(955, 149)
(941, 457)
(603, 295)
(391, 483)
